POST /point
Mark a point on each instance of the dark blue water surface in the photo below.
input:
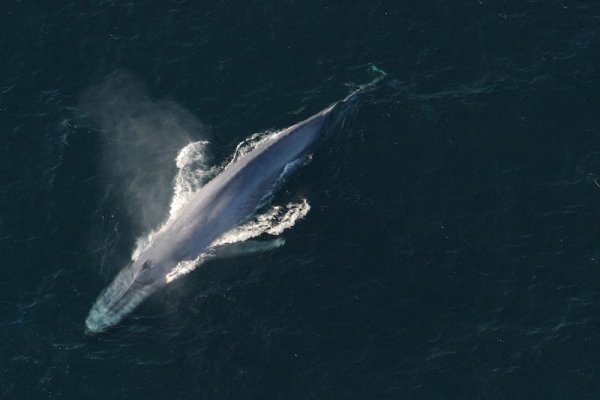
(453, 246)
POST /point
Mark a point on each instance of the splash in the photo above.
(193, 173)
(250, 143)
(185, 267)
(273, 222)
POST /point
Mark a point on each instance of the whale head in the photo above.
(130, 287)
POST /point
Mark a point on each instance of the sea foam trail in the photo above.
(193, 173)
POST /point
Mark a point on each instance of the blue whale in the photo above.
(220, 205)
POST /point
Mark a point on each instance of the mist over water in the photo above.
(141, 138)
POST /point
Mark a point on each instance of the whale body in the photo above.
(220, 205)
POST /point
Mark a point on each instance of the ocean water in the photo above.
(452, 246)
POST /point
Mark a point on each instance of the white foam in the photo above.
(249, 144)
(273, 222)
(184, 268)
(193, 173)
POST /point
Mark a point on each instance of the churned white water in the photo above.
(194, 172)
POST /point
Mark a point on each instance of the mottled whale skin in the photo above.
(220, 205)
